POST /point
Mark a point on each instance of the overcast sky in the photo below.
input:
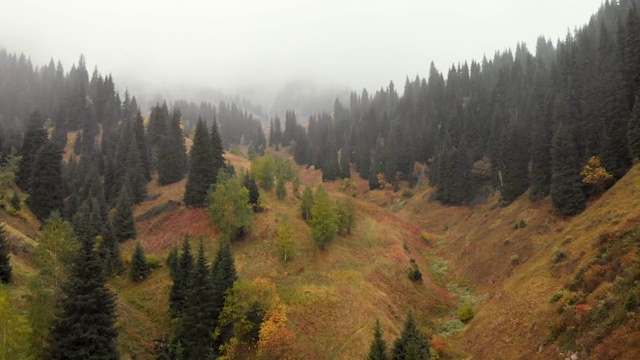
(232, 44)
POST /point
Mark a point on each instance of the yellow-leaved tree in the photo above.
(596, 176)
(276, 339)
(14, 329)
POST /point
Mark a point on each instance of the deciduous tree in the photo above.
(324, 219)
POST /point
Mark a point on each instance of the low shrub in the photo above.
(466, 314)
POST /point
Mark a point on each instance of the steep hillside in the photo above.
(516, 270)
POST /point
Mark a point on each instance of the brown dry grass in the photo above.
(513, 319)
(333, 296)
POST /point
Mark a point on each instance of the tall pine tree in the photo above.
(198, 318)
(566, 186)
(86, 329)
(35, 137)
(202, 168)
(181, 278)
(172, 154)
(123, 224)
(411, 345)
(378, 348)
(45, 185)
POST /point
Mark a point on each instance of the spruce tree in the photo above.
(123, 224)
(198, 318)
(218, 150)
(411, 345)
(378, 348)
(173, 260)
(45, 185)
(254, 193)
(223, 275)
(178, 293)
(141, 141)
(277, 131)
(515, 173)
(135, 177)
(345, 160)
(139, 266)
(5, 265)
(59, 134)
(202, 168)
(86, 329)
(35, 137)
(157, 129)
(172, 154)
(566, 186)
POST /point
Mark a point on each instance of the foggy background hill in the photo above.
(260, 51)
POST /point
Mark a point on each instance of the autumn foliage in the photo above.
(596, 176)
(276, 339)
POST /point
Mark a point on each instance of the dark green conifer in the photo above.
(345, 160)
(85, 329)
(134, 172)
(35, 137)
(139, 267)
(141, 141)
(633, 134)
(223, 275)
(172, 154)
(123, 224)
(411, 345)
(378, 348)
(218, 150)
(178, 293)
(158, 126)
(515, 169)
(198, 318)
(5, 265)
(173, 259)
(254, 193)
(202, 168)
(566, 186)
(59, 134)
(45, 185)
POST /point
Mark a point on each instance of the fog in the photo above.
(254, 48)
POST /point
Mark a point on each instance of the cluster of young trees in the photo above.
(327, 217)
(515, 122)
(271, 171)
(197, 299)
(410, 345)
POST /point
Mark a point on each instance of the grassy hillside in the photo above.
(333, 297)
(515, 271)
(474, 256)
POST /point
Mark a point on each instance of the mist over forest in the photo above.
(301, 180)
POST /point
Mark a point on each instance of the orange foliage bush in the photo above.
(276, 339)
(596, 176)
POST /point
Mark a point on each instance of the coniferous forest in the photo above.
(86, 171)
